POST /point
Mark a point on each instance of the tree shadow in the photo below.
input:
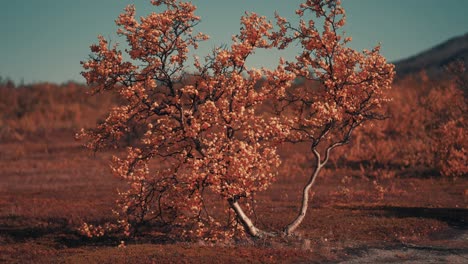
(454, 217)
(18, 229)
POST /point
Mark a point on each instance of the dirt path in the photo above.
(454, 251)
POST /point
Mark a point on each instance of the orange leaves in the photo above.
(453, 147)
(190, 133)
(216, 130)
(255, 31)
(426, 131)
(353, 82)
(127, 20)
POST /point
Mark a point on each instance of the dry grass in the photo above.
(48, 189)
(49, 185)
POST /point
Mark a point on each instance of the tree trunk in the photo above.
(305, 196)
(246, 222)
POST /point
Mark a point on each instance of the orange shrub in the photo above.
(44, 107)
(425, 129)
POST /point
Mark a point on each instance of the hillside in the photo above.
(434, 59)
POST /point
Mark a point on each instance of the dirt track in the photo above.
(411, 253)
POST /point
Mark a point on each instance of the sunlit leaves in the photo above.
(217, 130)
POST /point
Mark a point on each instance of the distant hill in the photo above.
(434, 59)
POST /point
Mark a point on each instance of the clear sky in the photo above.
(44, 40)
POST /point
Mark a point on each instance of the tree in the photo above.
(449, 108)
(208, 133)
(350, 86)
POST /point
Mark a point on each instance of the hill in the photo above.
(434, 59)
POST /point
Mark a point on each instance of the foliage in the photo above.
(350, 88)
(426, 131)
(210, 134)
(38, 109)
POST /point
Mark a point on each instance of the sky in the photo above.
(45, 40)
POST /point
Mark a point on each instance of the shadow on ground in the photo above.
(454, 217)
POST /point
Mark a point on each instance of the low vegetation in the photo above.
(214, 165)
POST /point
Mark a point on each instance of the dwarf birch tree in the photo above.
(208, 132)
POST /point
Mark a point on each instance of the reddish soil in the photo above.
(49, 185)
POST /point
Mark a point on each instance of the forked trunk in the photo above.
(289, 229)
